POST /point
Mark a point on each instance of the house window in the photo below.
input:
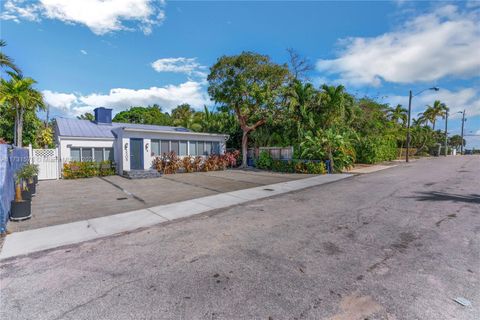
(208, 148)
(201, 148)
(155, 147)
(75, 154)
(193, 148)
(174, 146)
(91, 154)
(165, 146)
(183, 148)
(98, 154)
(109, 154)
(216, 148)
(87, 154)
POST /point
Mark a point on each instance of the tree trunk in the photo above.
(18, 192)
(20, 129)
(244, 148)
(433, 125)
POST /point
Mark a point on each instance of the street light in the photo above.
(409, 116)
(463, 124)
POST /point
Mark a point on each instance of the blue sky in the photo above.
(119, 53)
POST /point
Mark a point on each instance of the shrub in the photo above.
(298, 166)
(168, 163)
(330, 145)
(77, 169)
(187, 164)
(264, 160)
(231, 158)
(375, 149)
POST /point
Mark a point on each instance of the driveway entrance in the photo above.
(64, 201)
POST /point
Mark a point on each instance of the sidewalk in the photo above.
(26, 242)
(369, 168)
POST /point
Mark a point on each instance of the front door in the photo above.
(136, 154)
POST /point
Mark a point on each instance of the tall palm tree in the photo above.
(302, 101)
(6, 61)
(18, 96)
(399, 113)
(334, 104)
(431, 114)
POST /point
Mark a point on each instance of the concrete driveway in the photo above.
(64, 201)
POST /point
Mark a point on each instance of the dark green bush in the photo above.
(298, 166)
(376, 149)
(264, 160)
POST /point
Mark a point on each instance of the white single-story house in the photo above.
(130, 146)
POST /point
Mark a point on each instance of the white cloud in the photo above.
(62, 101)
(467, 98)
(83, 52)
(429, 47)
(189, 66)
(101, 16)
(119, 99)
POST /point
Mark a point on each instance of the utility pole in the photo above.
(446, 133)
(408, 124)
(463, 124)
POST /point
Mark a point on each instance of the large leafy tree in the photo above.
(18, 96)
(456, 141)
(250, 85)
(6, 61)
(143, 115)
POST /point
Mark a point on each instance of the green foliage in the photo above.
(373, 149)
(77, 169)
(331, 145)
(264, 160)
(456, 141)
(250, 86)
(143, 115)
(18, 97)
(86, 116)
(298, 166)
(45, 137)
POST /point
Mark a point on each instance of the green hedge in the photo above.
(266, 162)
(376, 149)
(77, 169)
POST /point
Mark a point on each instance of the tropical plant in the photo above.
(329, 144)
(398, 114)
(250, 85)
(45, 137)
(19, 96)
(6, 61)
(264, 160)
(431, 113)
(142, 115)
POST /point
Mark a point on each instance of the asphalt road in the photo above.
(396, 244)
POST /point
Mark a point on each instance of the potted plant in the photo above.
(21, 208)
(31, 172)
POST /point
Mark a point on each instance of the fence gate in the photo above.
(47, 161)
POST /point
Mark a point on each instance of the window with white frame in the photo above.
(88, 154)
(155, 147)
